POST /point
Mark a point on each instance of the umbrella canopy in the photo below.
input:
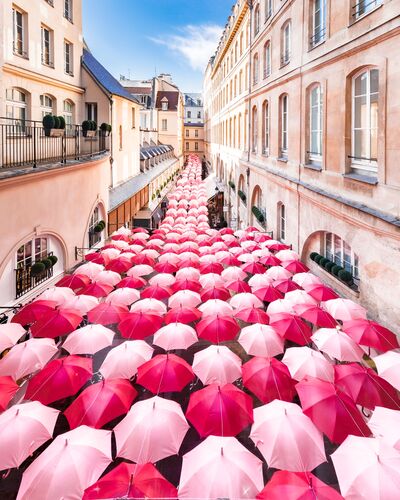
(332, 410)
(367, 468)
(59, 379)
(175, 336)
(268, 293)
(123, 361)
(100, 403)
(152, 306)
(215, 292)
(161, 425)
(132, 282)
(110, 278)
(33, 312)
(156, 292)
(315, 314)
(268, 379)
(81, 303)
(139, 325)
(33, 423)
(56, 323)
(56, 294)
(388, 365)
(10, 333)
(89, 339)
(220, 467)
(123, 297)
(184, 298)
(74, 281)
(242, 301)
(95, 289)
(27, 357)
(385, 423)
(321, 292)
(216, 306)
(287, 438)
(305, 362)
(291, 327)
(344, 309)
(8, 388)
(182, 315)
(165, 373)
(252, 315)
(71, 463)
(217, 364)
(131, 481)
(337, 344)
(261, 340)
(371, 334)
(297, 486)
(107, 314)
(216, 328)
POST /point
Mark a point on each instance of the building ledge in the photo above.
(367, 179)
(313, 166)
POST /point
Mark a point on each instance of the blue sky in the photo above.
(141, 37)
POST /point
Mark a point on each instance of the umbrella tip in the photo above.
(222, 451)
(17, 412)
(154, 405)
(66, 442)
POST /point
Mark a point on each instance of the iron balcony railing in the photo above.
(25, 143)
(25, 281)
(318, 36)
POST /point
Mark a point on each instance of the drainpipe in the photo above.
(111, 145)
(250, 4)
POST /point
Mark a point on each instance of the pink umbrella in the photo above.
(367, 468)
(261, 340)
(140, 270)
(280, 306)
(216, 306)
(233, 273)
(107, 314)
(162, 279)
(149, 306)
(81, 303)
(184, 298)
(385, 423)
(388, 365)
(245, 300)
(278, 273)
(344, 309)
(306, 280)
(287, 438)
(337, 344)
(211, 279)
(8, 388)
(175, 336)
(33, 423)
(188, 273)
(27, 357)
(305, 362)
(56, 294)
(220, 467)
(123, 361)
(110, 278)
(165, 373)
(214, 292)
(10, 333)
(96, 290)
(217, 364)
(161, 425)
(91, 270)
(71, 463)
(89, 339)
(123, 297)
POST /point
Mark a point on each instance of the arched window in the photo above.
(95, 232)
(286, 41)
(268, 9)
(16, 105)
(365, 114)
(267, 59)
(340, 252)
(68, 113)
(242, 189)
(315, 123)
(256, 69)
(236, 52)
(254, 129)
(47, 105)
(281, 221)
(256, 20)
(284, 110)
(265, 128)
(257, 206)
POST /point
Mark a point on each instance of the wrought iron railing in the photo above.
(25, 281)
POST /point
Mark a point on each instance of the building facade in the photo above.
(194, 125)
(300, 124)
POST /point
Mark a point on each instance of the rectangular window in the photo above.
(189, 114)
(318, 22)
(199, 114)
(164, 106)
(267, 59)
(187, 146)
(68, 10)
(282, 220)
(286, 44)
(19, 32)
(315, 152)
(362, 7)
(284, 126)
(133, 118)
(196, 133)
(187, 133)
(68, 58)
(91, 111)
(340, 252)
(47, 49)
(196, 146)
(164, 125)
(268, 9)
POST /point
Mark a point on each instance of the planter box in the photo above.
(104, 133)
(89, 133)
(54, 132)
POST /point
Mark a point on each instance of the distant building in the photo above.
(193, 136)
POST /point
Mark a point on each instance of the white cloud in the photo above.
(195, 43)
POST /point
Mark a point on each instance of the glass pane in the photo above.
(360, 112)
(20, 254)
(374, 81)
(338, 249)
(28, 249)
(361, 138)
(360, 86)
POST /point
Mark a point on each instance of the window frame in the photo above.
(356, 15)
(164, 125)
(256, 68)
(286, 41)
(68, 58)
(282, 221)
(336, 253)
(266, 129)
(284, 132)
(91, 109)
(254, 130)
(13, 104)
(315, 156)
(322, 33)
(94, 237)
(50, 48)
(267, 59)
(68, 10)
(19, 45)
(45, 108)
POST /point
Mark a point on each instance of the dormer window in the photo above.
(164, 104)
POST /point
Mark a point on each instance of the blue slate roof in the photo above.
(103, 77)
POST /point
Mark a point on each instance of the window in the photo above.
(245, 128)
(187, 133)
(338, 251)
(284, 126)
(256, 20)
(47, 46)
(240, 81)
(46, 105)
(265, 128)
(282, 221)
(236, 52)
(254, 126)
(267, 59)
(189, 114)
(239, 134)
(196, 146)
(286, 43)
(19, 22)
(31, 252)
(68, 10)
(256, 69)
(164, 105)
(268, 9)
(362, 7)
(94, 237)
(187, 146)
(91, 111)
(318, 22)
(199, 114)
(16, 105)
(68, 55)
(196, 133)
(121, 138)
(133, 117)
(365, 121)
(164, 125)
(241, 43)
(315, 117)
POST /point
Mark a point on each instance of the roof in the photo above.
(192, 100)
(151, 151)
(139, 90)
(173, 99)
(103, 77)
(198, 125)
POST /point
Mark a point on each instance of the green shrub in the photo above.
(109, 128)
(242, 196)
(104, 127)
(93, 125)
(345, 276)
(47, 263)
(98, 228)
(86, 125)
(329, 265)
(56, 122)
(61, 119)
(323, 261)
(232, 185)
(336, 269)
(37, 268)
(318, 258)
(48, 121)
(53, 259)
(313, 255)
(258, 214)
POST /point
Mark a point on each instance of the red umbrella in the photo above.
(215, 293)
(182, 315)
(252, 315)
(96, 290)
(230, 260)
(185, 284)
(56, 323)
(321, 293)
(59, 379)
(132, 282)
(188, 263)
(156, 292)
(74, 281)
(120, 237)
(253, 268)
(286, 485)
(332, 410)
(268, 293)
(269, 260)
(165, 267)
(141, 230)
(211, 267)
(371, 334)
(226, 230)
(165, 373)
(365, 387)
(131, 481)
(217, 328)
(98, 258)
(292, 328)
(295, 266)
(315, 315)
(8, 388)
(268, 379)
(285, 286)
(100, 403)
(119, 265)
(143, 259)
(33, 312)
(278, 246)
(238, 286)
(220, 410)
(138, 325)
(107, 313)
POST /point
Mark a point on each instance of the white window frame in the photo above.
(256, 69)
(254, 130)
(164, 125)
(12, 105)
(284, 139)
(19, 45)
(47, 47)
(34, 256)
(266, 129)
(268, 9)
(164, 106)
(91, 111)
(68, 10)
(335, 250)
(318, 127)
(363, 7)
(68, 58)
(94, 220)
(256, 20)
(267, 59)
(46, 105)
(286, 42)
(282, 222)
(318, 30)
(68, 114)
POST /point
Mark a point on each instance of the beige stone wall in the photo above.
(190, 139)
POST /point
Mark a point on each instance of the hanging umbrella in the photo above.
(315, 314)
(59, 379)
(32, 423)
(165, 267)
(56, 323)
(151, 306)
(220, 410)
(100, 257)
(139, 325)
(269, 260)
(140, 270)
(287, 438)
(242, 301)
(56, 294)
(186, 284)
(291, 327)
(278, 273)
(10, 333)
(90, 269)
(216, 306)
(215, 292)
(211, 267)
(184, 298)
(268, 379)
(162, 279)
(365, 387)
(74, 281)
(220, 467)
(261, 340)
(217, 328)
(267, 293)
(143, 259)
(100, 403)
(175, 336)
(344, 309)
(157, 292)
(332, 410)
(98, 290)
(385, 424)
(123, 297)
(182, 315)
(165, 373)
(131, 481)
(320, 292)
(305, 362)
(286, 286)
(253, 268)
(217, 364)
(89, 339)
(81, 303)
(107, 314)
(8, 388)
(132, 282)
(27, 357)
(33, 312)
(161, 425)
(297, 486)
(337, 344)
(210, 279)
(188, 273)
(306, 280)
(252, 315)
(110, 278)
(388, 365)
(371, 334)
(230, 260)
(71, 463)
(233, 273)
(123, 360)
(367, 468)
(294, 266)
(238, 286)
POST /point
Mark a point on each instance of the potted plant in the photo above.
(89, 128)
(346, 277)
(54, 126)
(37, 269)
(53, 259)
(242, 196)
(258, 214)
(47, 263)
(313, 255)
(105, 129)
(232, 185)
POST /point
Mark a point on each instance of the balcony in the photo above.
(26, 280)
